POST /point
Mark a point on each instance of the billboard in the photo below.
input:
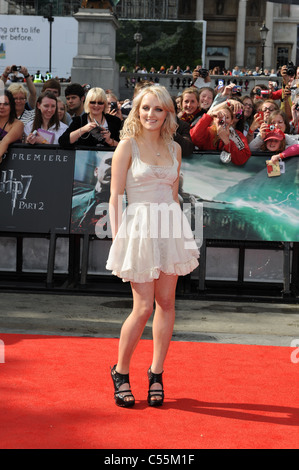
(36, 190)
(25, 40)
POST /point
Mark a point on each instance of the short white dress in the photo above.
(154, 234)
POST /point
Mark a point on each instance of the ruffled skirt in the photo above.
(151, 239)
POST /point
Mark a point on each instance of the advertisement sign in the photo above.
(24, 40)
(243, 202)
(36, 190)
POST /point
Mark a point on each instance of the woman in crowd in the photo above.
(114, 106)
(147, 164)
(249, 112)
(11, 129)
(190, 107)
(215, 131)
(96, 127)
(20, 96)
(264, 109)
(46, 127)
(61, 107)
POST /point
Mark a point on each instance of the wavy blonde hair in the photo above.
(133, 127)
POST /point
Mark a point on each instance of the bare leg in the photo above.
(132, 329)
(163, 322)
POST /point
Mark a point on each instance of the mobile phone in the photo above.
(261, 114)
(113, 105)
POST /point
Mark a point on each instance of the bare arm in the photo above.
(175, 190)
(120, 164)
(15, 133)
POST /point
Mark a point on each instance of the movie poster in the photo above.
(36, 190)
(243, 202)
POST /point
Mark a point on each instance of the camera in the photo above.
(270, 128)
(15, 68)
(260, 92)
(203, 73)
(291, 69)
(297, 106)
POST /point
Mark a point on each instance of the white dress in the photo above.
(154, 234)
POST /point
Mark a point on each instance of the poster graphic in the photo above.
(242, 202)
(36, 190)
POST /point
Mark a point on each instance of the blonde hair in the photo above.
(15, 88)
(95, 94)
(133, 127)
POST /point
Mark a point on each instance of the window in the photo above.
(282, 55)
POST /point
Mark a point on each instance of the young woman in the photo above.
(278, 120)
(147, 250)
(46, 119)
(214, 131)
(190, 107)
(95, 128)
(11, 129)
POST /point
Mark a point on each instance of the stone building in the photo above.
(233, 26)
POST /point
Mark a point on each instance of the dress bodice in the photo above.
(150, 183)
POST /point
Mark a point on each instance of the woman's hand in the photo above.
(88, 127)
(257, 122)
(222, 128)
(35, 138)
(263, 130)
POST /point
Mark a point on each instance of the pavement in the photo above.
(253, 323)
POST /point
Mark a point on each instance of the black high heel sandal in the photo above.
(122, 397)
(155, 397)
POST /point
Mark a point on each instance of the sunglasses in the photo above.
(97, 102)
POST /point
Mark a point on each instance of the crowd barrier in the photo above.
(54, 225)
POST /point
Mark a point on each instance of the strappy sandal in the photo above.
(155, 397)
(122, 398)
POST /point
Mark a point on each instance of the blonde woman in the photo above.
(146, 252)
(95, 128)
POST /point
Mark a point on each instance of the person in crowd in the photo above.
(214, 131)
(75, 97)
(52, 86)
(206, 98)
(277, 120)
(249, 112)
(275, 142)
(190, 107)
(46, 127)
(19, 94)
(96, 127)
(11, 128)
(114, 105)
(182, 134)
(146, 164)
(61, 107)
(32, 95)
(265, 109)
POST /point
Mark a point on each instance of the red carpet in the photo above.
(56, 393)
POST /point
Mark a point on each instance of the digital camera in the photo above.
(291, 70)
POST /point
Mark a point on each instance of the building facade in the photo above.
(233, 26)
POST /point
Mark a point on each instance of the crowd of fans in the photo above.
(221, 118)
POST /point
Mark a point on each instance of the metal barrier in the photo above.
(58, 260)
